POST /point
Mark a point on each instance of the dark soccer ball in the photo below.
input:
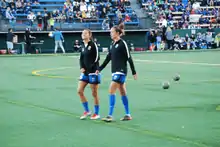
(166, 85)
(176, 78)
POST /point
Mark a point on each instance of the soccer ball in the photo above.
(166, 85)
(176, 78)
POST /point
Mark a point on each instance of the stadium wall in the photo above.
(138, 38)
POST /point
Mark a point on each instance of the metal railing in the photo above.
(20, 24)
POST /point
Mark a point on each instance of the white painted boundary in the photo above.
(177, 62)
(170, 62)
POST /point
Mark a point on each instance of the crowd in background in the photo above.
(71, 12)
(163, 12)
(183, 14)
(159, 40)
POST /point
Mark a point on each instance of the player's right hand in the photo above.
(97, 72)
(82, 70)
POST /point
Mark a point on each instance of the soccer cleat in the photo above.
(107, 119)
(126, 118)
(85, 115)
(95, 116)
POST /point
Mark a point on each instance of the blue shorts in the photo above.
(91, 78)
(119, 78)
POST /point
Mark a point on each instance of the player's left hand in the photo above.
(96, 72)
(135, 76)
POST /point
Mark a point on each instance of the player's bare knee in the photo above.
(80, 92)
(122, 92)
(94, 93)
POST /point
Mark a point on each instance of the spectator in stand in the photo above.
(36, 2)
(19, 4)
(67, 4)
(118, 14)
(78, 16)
(39, 21)
(10, 17)
(83, 6)
(103, 13)
(27, 8)
(211, 3)
(70, 16)
(133, 16)
(93, 14)
(3, 4)
(51, 21)
(90, 7)
(76, 6)
(13, 10)
(127, 18)
(55, 14)
(83, 15)
(105, 24)
(45, 19)
(217, 40)
(111, 22)
(31, 17)
(9, 2)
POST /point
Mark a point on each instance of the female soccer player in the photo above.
(119, 54)
(89, 64)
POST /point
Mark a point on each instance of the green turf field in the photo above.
(44, 110)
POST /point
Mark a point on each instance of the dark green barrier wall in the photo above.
(189, 32)
(136, 37)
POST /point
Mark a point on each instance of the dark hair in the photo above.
(120, 29)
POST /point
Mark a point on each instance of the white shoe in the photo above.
(85, 115)
(94, 117)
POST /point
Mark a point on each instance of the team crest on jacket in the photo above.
(89, 48)
(116, 46)
(82, 49)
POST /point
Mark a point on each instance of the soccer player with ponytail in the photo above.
(119, 55)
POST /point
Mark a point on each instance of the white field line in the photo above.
(177, 62)
(169, 62)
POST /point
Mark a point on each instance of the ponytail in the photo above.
(120, 29)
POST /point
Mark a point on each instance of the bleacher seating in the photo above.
(183, 14)
(58, 5)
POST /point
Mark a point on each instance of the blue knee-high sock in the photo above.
(96, 108)
(111, 104)
(125, 102)
(86, 106)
